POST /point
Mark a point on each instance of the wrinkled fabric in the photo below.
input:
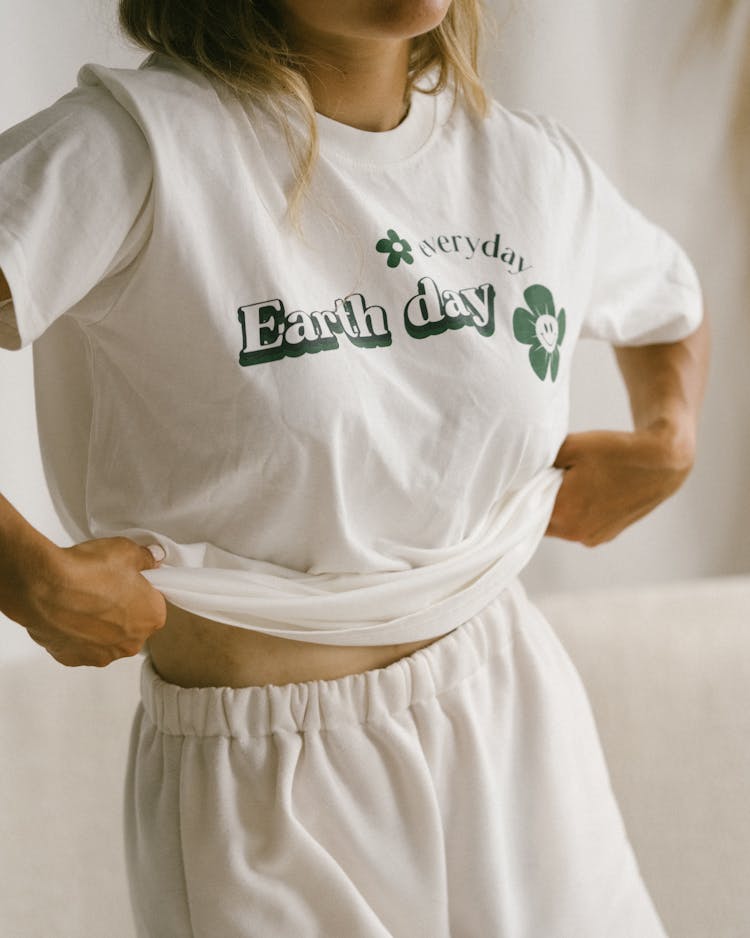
(345, 437)
(422, 602)
(461, 791)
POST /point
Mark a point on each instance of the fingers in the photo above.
(579, 446)
(568, 453)
(160, 613)
(147, 603)
(156, 554)
(150, 557)
(121, 551)
(100, 608)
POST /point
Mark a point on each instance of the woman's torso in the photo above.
(191, 651)
(393, 410)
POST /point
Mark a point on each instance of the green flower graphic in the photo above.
(540, 328)
(396, 248)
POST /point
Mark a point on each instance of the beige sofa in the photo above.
(668, 674)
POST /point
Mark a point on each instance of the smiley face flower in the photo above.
(396, 248)
(541, 328)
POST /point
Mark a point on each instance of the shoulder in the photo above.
(511, 135)
(540, 149)
(159, 85)
(521, 122)
(156, 71)
(84, 127)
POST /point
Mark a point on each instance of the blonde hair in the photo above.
(242, 44)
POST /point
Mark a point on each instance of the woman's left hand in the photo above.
(614, 478)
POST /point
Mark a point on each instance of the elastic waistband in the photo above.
(354, 699)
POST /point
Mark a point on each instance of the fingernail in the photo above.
(157, 552)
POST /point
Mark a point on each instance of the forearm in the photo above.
(23, 550)
(666, 384)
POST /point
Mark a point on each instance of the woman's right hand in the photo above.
(89, 605)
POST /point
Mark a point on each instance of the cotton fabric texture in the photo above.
(459, 792)
(346, 440)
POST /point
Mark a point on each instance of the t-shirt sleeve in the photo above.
(644, 289)
(75, 186)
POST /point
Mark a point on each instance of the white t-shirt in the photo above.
(346, 440)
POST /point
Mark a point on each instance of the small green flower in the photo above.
(540, 328)
(396, 248)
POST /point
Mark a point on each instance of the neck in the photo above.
(360, 82)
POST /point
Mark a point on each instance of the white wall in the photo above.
(609, 71)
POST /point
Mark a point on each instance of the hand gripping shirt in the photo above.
(345, 439)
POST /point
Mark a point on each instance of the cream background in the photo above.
(656, 122)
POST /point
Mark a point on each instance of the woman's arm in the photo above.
(23, 556)
(86, 604)
(615, 478)
(666, 384)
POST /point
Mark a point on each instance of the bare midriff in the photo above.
(191, 651)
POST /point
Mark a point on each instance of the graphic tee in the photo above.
(345, 438)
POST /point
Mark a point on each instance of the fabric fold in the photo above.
(375, 608)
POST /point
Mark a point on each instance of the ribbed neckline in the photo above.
(381, 147)
(343, 141)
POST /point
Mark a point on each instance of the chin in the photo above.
(402, 19)
(369, 19)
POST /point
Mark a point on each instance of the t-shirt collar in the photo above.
(385, 146)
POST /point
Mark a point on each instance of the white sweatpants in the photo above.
(461, 792)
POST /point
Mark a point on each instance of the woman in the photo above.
(328, 387)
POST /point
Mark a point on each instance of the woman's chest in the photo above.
(421, 347)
